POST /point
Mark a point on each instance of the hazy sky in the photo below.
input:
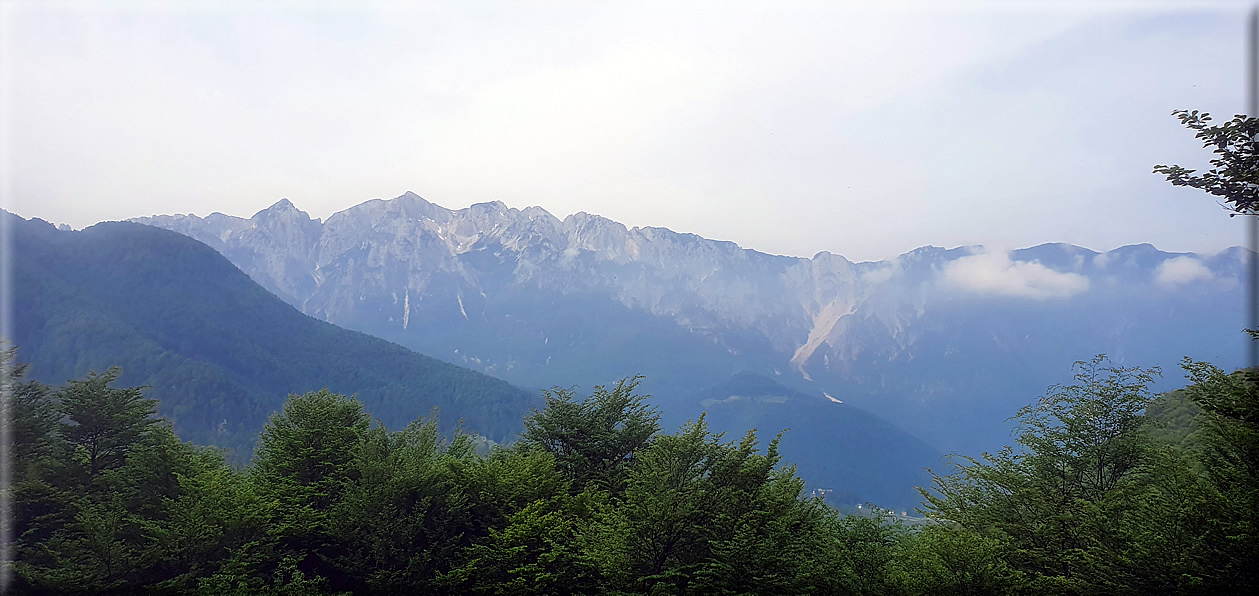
(790, 128)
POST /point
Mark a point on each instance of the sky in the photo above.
(865, 130)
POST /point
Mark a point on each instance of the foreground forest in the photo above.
(1110, 490)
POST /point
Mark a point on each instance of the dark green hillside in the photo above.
(858, 455)
(219, 351)
(1176, 420)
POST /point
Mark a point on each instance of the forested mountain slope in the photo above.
(219, 351)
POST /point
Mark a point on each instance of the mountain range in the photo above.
(221, 353)
(945, 343)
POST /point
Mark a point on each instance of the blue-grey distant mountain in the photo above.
(945, 343)
(218, 350)
(836, 446)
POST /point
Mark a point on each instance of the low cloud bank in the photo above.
(880, 275)
(994, 273)
(1181, 270)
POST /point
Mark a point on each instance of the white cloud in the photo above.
(995, 273)
(1181, 270)
(882, 274)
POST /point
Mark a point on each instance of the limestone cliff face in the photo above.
(411, 251)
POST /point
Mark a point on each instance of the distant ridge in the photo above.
(859, 456)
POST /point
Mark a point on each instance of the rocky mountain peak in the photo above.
(490, 207)
(282, 205)
(283, 212)
(608, 239)
(535, 212)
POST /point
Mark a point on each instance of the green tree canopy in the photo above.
(312, 440)
(30, 418)
(1231, 417)
(1059, 500)
(105, 421)
(593, 440)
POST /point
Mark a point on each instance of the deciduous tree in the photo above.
(1063, 498)
(596, 439)
(105, 421)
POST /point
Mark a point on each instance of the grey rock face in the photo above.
(408, 247)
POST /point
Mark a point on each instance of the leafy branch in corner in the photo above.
(1234, 174)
